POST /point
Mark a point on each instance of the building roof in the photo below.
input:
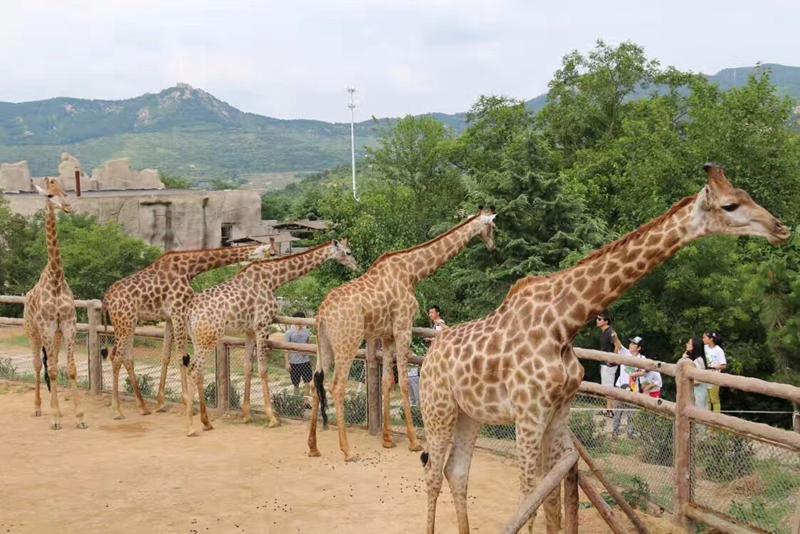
(305, 223)
(281, 237)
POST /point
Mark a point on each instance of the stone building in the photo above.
(171, 219)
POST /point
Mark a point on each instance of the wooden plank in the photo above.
(759, 431)
(639, 399)
(612, 490)
(551, 481)
(683, 445)
(600, 505)
(95, 364)
(745, 383)
(615, 359)
(717, 522)
(373, 389)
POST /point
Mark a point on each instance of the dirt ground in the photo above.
(142, 475)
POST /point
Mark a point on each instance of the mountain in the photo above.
(186, 131)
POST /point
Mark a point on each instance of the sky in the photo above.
(294, 59)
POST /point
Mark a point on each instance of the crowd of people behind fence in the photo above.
(705, 353)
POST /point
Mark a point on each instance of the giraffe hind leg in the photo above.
(458, 463)
(72, 373)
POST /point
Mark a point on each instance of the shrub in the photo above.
(145, 385)
(639, 495)
(656, 435)
(287, 405)
(725, 456)
(7, 368)
(587, 429)
(210, 394)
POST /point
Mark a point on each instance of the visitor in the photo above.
(648, 382)
(695, 351)
(622, 410)
(298, 363)
(715, 361)
(608, 373)
(437, 323)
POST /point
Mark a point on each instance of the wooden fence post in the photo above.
(796, 417)
(683, 445)
(223, 377)
(373, 388)
(93, 310)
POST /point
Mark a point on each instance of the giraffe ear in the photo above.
(336, 243)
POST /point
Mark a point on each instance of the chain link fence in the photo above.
(19, 365)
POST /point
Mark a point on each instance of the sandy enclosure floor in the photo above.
(142, 475)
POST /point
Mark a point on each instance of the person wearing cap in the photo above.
(715, 361)
(608, 373)
(648, 382)
(622, 410)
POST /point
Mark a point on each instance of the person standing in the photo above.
(696, 353)
(437, 323)
(715, 361)
(298, 363)
(608, 373)
(623, 382)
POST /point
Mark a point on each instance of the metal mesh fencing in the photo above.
(748, 480)
(290, 388)
(18, 365)
(147, 354)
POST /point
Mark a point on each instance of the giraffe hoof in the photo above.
(208, 427)
(273, 424)
(145, 411)
(246, 419)
(388, 444)
(161, 408)
(191, 434)
(37, 413)
(119, 417)
(55, 426)
(415, 448)
(82, 425)
(314, 453)
(351, 458)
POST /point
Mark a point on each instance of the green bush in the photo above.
(210, 394)
(416, 416)
(725, 456)
(287, 405)
(639, 495)
(770, 517)
(7, 368)
(656, 437)
(145, 385)
(587, 429)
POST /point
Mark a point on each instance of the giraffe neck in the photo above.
(425, 259)
(275, 273)
(614, 269)
(55, 267)
(194, 262)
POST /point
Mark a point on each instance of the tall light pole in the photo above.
(352, 106)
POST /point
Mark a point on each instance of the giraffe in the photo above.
(247, 303)
(517, 365)
(49, 315)
(381, 305)
(161, 290)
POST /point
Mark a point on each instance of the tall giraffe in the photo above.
(517, 365)
(49, 315)
(161, 291)
(381, 305)
(247, 303)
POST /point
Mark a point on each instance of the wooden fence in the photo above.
(684, 412)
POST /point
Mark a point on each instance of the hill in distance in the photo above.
(188, 132)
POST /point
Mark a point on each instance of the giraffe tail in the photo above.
(46, 374)
(424, 458)
(319, 383)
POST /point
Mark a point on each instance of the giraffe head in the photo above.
(486, 217)
(722, 209)
(340, 251)
(55, 194)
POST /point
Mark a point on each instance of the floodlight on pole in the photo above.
(352, 105)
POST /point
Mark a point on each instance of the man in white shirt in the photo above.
(434, 314)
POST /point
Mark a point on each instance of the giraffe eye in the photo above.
(731, 207)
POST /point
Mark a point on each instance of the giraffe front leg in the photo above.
(557, 442)
(313, 451)
(249, 356)
(166, 356)
(263, 357)
(402, 345)
(340, 375)
(386, 392)
(72, 372)
(188, 397)
(439, 422)
(202, 397)
(530, 431)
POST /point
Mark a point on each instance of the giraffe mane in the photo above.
(521, 284)
(388, 255)
(284, 258)
(172, 253)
